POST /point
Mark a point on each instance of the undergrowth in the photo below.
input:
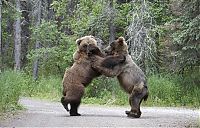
(164, 90)
(15, 84)
(10, 89)
(44, 88)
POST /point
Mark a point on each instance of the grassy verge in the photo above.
(15, 84)
(45, 88)
(10, 89)
(165, 90)
(172, 90)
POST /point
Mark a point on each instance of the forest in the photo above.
(37, 42)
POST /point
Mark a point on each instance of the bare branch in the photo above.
(142, 46)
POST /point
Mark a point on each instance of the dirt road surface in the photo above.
(41, 113)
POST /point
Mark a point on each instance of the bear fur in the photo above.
(77, 77)
(129, 75)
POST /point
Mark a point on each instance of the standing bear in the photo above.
(129, 75)
(77, 77)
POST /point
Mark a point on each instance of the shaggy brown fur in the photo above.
(129, 75)
(77, 77)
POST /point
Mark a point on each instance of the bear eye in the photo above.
(85, 45)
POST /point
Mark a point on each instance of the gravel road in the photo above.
(42, 113)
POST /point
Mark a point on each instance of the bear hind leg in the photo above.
(135, 100)
(74, 108)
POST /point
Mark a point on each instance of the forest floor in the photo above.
(41, 113)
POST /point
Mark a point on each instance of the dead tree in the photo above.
(142, 46)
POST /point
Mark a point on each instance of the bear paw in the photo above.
(133, 114)
(75, 114)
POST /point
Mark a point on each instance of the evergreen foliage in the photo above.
(163, 38)
(187, 36)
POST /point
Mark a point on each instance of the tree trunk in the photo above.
(25, 6)
(50, 10)
(37, 44)
(17, 39)
(111, 23)
(0, 38)
(36, 63)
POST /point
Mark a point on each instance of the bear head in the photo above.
(82, 47)
(118, 46)
(83, 42)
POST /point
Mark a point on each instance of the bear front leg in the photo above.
(74, 108)
(107, 71)
(110, 66)
(111, 61)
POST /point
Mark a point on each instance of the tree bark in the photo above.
(0, 38)
(36, 63)
(25, 6)
(37, 44)
(111, 23)
(50, 10)
(17, 39)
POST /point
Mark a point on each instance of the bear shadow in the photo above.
(116, 116)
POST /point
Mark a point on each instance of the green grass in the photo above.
(10, 89)
(15, 84)
(164, 90)
(105, 91)
(44, 88)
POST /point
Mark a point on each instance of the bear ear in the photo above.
(92, 36)
(121, 40)
(78, 41)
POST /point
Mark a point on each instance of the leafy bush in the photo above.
(56, 49)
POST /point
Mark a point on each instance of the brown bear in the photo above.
(77, 77)
(82, 44)
(129, 75)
